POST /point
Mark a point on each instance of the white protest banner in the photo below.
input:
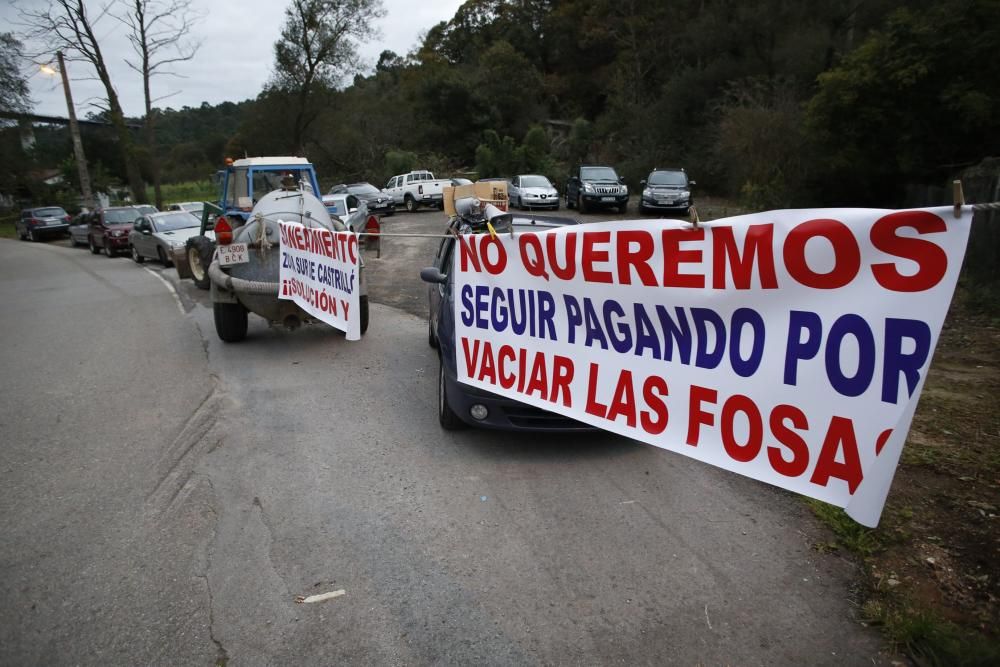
(787, 346)
(319, 272)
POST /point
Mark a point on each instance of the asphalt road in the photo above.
(166, 497)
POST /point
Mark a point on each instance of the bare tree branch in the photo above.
(159, 32)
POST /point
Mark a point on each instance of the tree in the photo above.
(158, 30)
(64, 25)
(13, 84)
(906, 106)
(318, 47)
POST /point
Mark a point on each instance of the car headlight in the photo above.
(624, 189)
(588, 187)
(116, 233)
(177, 244)
(647, 193)
(685, 194)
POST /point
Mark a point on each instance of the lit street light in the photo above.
(81, 159)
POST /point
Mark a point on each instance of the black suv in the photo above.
(592, 186)
(667, 190)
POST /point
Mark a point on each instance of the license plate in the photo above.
(665, 202)
(607, 198)
(234, 253)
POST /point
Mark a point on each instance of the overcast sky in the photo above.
(235, 59)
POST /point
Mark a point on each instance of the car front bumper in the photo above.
(596, 200)
(504, 413)
(677, 206)
(117, 242)
(537, 202)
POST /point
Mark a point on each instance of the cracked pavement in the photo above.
(166, 497)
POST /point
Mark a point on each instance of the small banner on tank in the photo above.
(787, 346)
(320, 273)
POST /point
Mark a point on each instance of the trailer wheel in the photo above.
(230, 321)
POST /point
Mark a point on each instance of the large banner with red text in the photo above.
(787, 346)
(320, 273)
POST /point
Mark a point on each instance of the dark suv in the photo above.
(592, 186)
(36, 223)
(109, 228)
(666, 190)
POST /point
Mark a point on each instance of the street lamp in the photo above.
(74, 128)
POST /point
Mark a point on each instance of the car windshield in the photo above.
(120, 216)
(535, 182)
(362, 189)
(51, 212)
(598, 174)
(191, 207)
(668, 178)
(146, 210)
(168, 222)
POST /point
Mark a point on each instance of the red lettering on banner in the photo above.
(567, 271)
(539, 381)
(549, 380)
(791, 440)
(623, 402)
(562, 376)
(673, 257)
(592, 255)
(747, 451)
(758, 250)
(696, 416)
(487, 373)
(931, 259)
(654, 420)
(467, 253)
(846, 253)
(471, 357)
(840, 438)
(593, 406)
(637, 257)
(506, 379)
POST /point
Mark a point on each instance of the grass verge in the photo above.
(931, 569)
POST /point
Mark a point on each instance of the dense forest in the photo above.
(774, 103)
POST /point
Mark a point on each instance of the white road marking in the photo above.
(173, 290)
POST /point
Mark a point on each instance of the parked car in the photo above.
(667, 190)
(146, 209)
(378, 201)
(461, 405)
(159, 235)
(79, 229)
(532, 191)
(415, 189)
(109, 229)
(44, 221)
(193, 207)
(592, 186)
(460, 181)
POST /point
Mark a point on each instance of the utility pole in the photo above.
(81, 159)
